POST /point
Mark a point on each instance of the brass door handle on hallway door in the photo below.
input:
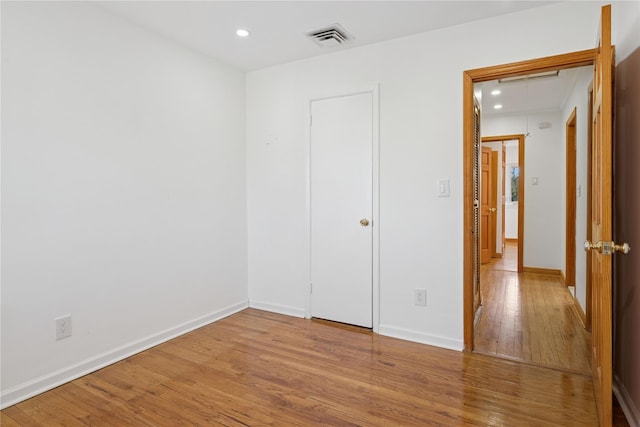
(364, 222)
(607, 248)
(493, 210)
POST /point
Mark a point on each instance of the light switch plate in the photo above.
(443, 188)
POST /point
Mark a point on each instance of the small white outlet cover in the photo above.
(420, 297)
(63, 327)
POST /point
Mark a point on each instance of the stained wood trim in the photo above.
(469, 77)
(589, 234)
(602, 221)
(549, 271)
(468, 227)
(500, 138)
(521, 68)
(503, 168)
(570, 194)
(521, 199)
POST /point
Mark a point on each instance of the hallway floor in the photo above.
(509, 261)
(530, 317)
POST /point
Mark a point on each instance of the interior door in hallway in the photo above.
(493, 218)
(485, 205)
(341, 209)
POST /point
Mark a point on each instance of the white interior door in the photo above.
(342, 208)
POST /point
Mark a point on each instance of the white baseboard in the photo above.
(631, 411)
(421, 337)
(47, 382)
(276, 308)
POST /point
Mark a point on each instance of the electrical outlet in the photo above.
(420, 297)
(63, 327)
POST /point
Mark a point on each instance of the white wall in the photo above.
(123, 191)
(543, 203)
(579, 99)
(420, 81)
(625, 28)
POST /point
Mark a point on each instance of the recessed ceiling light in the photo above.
(497, 106)
(495, 92)
(242, 32)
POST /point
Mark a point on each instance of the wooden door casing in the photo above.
(570, 191)
(601, 220)
(504, 178)
(469, 159)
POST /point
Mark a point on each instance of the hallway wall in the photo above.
(543, 201)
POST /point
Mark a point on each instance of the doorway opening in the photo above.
(506, 230)
(471, 241)
(534, 317)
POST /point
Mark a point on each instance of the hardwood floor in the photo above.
(529, 317)
(509, 260)
(258, 368)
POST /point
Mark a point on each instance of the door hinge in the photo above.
(310, 120)
(310, 288)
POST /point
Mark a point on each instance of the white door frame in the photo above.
(374, 91)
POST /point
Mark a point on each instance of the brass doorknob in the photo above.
(588, 245)
(493, 210)
(364, 222)
(624, 248)
(607, 248)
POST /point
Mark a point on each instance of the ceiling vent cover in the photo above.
(331, 36)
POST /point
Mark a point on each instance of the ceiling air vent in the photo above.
(331, 36)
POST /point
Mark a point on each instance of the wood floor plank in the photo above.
(13, 416)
